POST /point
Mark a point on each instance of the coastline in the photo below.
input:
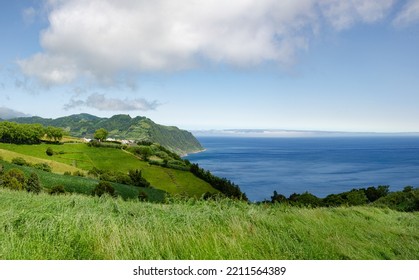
(191, 153)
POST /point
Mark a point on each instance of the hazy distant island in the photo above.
(293, 133)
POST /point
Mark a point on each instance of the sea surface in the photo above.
(320, 166)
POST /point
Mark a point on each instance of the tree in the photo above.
(356, 197)
(33, 184)
(145, 152)
(373, 193)
(138, 179)
(54, 133)
(101, 134)
(278, 197)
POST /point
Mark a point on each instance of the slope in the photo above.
(123, 127)
(81, 156)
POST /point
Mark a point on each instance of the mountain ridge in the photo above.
(123, 126)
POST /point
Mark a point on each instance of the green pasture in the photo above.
(83, 185)
(76, 156)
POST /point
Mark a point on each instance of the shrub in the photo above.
(373, 193)
(33, 184)
(43, 166)
(142, 196)
(102, 188)
(333, 200)
(406, 200)
(14, 179)
(356, 197)
(49, 151)
(305, 199)
(59, 189)
(78, 173)
(20, 161)
(137, 179)
(278, 197)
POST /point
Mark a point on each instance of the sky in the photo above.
(325, 65)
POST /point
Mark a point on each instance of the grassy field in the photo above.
(81, 227)
(76, 156)
(57, 167)
(82, 185)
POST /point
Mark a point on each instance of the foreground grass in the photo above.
(79, 227)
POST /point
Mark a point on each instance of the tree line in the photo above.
(406, 200)
(225, 186)
(15, 133)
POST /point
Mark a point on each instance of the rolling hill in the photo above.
(123, 127)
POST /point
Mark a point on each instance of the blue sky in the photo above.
(306, 65)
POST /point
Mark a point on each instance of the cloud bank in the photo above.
(102, 103)
(99, 40)
(7, 113)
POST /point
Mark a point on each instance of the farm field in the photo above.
(82, 185)
(79, 156)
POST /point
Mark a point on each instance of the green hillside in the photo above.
(123, 127)
(79, 156)
(82, 185)
(81, 227)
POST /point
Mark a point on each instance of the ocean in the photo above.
(321, 166)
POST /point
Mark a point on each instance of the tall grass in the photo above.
(79, 227)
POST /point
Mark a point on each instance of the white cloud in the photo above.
(102, 103)
(409, 14)
(104, 39)
(344, 14)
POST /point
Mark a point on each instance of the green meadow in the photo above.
(83, 185)
(79, 156)
(81, 227)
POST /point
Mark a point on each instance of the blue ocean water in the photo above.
(320, 166)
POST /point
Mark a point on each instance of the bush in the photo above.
(43, 166)
(102, 188)
(137, 179)
(78, 173)
(142, 196)
(49, 151)
(356, 197)
(20, 161)
(33, 184)
(278, 198)
(406, 200)
(373, 193)
(59, 189)
(305, 199)
(14, 179)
